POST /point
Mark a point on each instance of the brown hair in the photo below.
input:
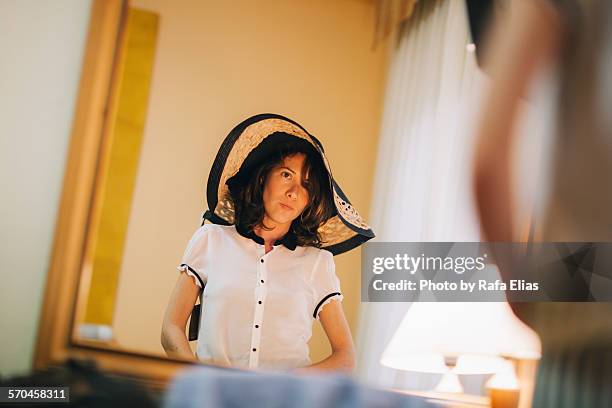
(248, 197)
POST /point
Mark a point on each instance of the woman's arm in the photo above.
(339, 334)
(179, 308)
(517, 50)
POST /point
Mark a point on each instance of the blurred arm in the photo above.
(516, 51)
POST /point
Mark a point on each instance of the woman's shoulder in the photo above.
(217, 229)
(318, 263)
(210, 231)
(318, 254)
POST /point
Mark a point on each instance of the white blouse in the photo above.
(257, 308)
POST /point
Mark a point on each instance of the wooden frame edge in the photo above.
(54, 338)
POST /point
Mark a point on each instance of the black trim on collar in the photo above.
(314, 315)
(289, 240)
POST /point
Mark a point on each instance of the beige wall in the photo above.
(217, 63)
(42, 47)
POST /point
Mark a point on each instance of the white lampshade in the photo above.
(477, 334)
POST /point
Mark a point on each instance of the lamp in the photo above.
(503, 387)
(459, 338)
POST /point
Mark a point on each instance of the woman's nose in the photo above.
(292, 193)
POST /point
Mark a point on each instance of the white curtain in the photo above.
(422, 190)
(423, 184)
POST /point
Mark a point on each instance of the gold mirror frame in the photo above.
(68, 265)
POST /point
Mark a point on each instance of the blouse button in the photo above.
(259, 302)
(261, 260)
(257, 326)
(262, 281)
(254, 349)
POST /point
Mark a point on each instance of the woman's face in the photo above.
(284, 195)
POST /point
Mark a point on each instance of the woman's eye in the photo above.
(286, 174)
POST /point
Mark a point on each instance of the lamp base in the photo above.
(501, 398)
(450, 383)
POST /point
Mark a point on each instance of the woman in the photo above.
(265, 262)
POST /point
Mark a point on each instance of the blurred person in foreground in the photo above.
(575, 38)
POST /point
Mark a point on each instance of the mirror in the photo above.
(185, 73)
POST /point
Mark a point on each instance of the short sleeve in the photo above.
(194, 261)
(325, 282)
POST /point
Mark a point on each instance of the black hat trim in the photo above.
(347, 245)
(367, 232)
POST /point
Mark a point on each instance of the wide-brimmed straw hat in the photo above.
(257, 136)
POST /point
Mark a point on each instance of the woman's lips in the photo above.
(285, 206)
